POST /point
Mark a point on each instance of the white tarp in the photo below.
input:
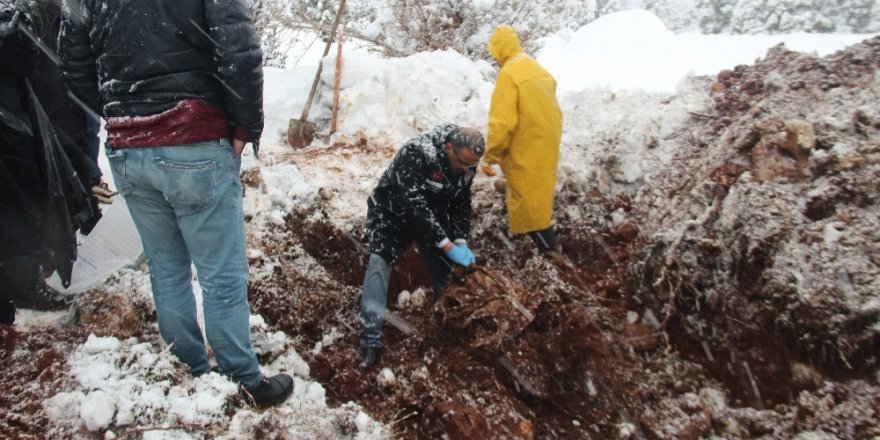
(112, 244)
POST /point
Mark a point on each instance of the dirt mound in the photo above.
(765, 254)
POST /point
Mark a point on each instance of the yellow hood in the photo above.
(504, 44)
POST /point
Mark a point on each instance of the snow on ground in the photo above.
(634, 50)
(616, 76)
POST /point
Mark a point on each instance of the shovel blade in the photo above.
(300, 133)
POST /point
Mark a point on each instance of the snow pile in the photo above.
(394, 99)
(632, 58)
(127, 383)
(126, 386)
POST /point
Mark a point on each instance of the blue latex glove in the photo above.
(460, 255)
(470, 254)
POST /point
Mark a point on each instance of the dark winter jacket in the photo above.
(68, 116)
(68, 119)
(419, 198)
(41, 200)
(139, 58)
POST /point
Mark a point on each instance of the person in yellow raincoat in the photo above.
(525, 126)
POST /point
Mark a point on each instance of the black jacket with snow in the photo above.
(42, 202)
(21, 188)
(419, 198)
(68, 120)
(68, 117)
(139, 58)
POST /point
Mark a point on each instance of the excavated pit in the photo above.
(492, 358)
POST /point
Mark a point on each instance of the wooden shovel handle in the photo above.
(305, 113)
(336, 84)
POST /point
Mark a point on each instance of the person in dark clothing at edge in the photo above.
(77, 128)
(180, 85)
(423, 196)
(69, 118)
(42, 202)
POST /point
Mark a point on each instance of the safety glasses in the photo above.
(471, 166)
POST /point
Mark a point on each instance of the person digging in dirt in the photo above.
(423, 196)
(180, 85)
(525, 127)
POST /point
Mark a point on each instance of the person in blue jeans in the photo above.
(423, 196)
(181, 92)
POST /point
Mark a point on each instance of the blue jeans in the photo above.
(186, 202)
(374, 294)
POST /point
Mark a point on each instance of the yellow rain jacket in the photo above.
(525, 125)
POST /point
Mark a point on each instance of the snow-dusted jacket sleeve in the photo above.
(36, 15)
(460, 211)
(239, 62)
(19, 52)
(410, 179)
(78, 65)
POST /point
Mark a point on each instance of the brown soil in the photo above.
(494, 357)
(520, 347)
(33, 366)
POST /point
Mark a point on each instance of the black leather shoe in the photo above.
(270, 391)
(369, 357)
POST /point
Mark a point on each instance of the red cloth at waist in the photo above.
(190, 121)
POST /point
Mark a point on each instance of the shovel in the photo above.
(333, 117)
(301, 132)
